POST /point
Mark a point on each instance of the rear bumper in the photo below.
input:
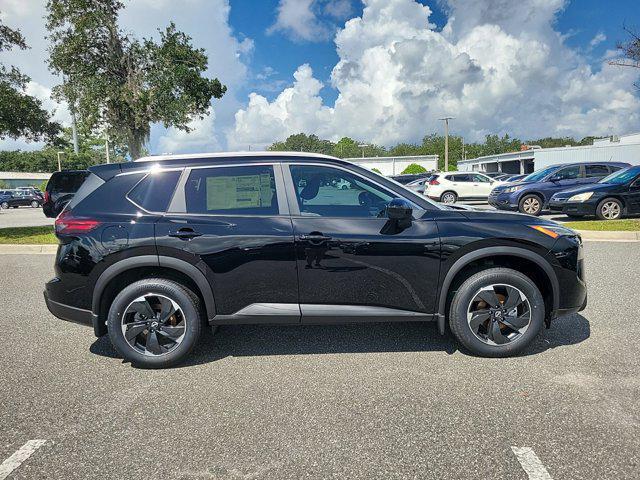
(68, 313)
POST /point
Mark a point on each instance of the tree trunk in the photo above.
(135, 148)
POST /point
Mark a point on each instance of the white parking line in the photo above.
(15, 460)
(531, 464)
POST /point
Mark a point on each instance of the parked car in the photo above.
(494, 175)
(514, 178)
(151, 252)
(419, 185)
(532, 194)
(611, 198)
(453, 186)
(408, 178)
(20, 198)
(31, 190)
(60, 189)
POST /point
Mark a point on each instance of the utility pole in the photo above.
(363, 146)
(446, 142)
(106, 147)
(60, 161)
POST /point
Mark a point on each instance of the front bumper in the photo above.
(502, 201)
(572, 208)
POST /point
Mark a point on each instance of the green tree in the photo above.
(435, 145)
(21, 115)
(116, 83)
(494, 145)
(413, 169)
(404, 150)
(301, 142)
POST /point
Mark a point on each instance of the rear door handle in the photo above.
(185, 234)
(314, 238)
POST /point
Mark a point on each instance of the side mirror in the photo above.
(555, 179)
(399, 209)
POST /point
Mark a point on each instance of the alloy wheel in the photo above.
(531, 205)
(448, 198)
(4, 205)
(153, 324)
(34, 204)
(499, 314)
(610, 210)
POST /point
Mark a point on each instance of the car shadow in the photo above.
(256, 340)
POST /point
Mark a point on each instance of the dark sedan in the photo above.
(609, 199)
(20, 198)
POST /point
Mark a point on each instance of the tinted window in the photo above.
(68, 182)
(481, 178)
(331, 192)
(460, 178)
(154, 191)
(569, 173)
(597, 171)
(249, 190)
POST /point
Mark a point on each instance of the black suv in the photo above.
(153, 251)
(61, 188)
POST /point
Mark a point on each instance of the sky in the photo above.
(380, 71)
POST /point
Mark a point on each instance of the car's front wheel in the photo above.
(4, 205)
(497, 312)
(155, 323)
(609, 209)
(34, 204)
(531, 205)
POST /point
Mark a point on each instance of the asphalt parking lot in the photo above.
(356, 401)
(23, 217)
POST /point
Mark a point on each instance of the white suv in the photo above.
(453, 186)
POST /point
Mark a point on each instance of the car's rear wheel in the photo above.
(497, 312)
(609, 209)
(448, 197)
(531, 205)
(34, 204)
(155, 323)
(4, 205)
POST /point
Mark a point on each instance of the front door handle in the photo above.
(185, 234)
(315, 238)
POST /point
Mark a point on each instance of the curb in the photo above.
(12, 249)
(597, 236)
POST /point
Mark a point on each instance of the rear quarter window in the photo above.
(154, 192)
(66, 182)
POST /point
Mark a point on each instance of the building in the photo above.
(613, 149)
(396, 165)
(22, 179)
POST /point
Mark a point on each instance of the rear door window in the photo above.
(243, 190)
(154, 192)
(568, 173)
(597, 171)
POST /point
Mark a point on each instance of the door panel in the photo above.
(632, 197)
(350, 261)
(349, 253)
(232, 223)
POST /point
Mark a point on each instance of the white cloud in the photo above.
(598, 39)
(298, 19)
(498, 66)
(339, 9)
(201, 138)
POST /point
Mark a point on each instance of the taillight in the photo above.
(67, 224)
(46, 196)
(434, 182)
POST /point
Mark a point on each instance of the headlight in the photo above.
(511, 189)
(581, 197)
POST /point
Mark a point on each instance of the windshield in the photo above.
(622, 176)
(539, 175)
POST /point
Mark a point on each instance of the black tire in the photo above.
(188, 302)
(610, 209)
(34, 204)
(531, 204)
(444, 198)
(460, 325)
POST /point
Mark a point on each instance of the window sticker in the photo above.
(242, 191)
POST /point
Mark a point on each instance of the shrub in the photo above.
(413, 169)
(376, 170)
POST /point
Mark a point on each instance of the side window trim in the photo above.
(294, 208)
(178, 204)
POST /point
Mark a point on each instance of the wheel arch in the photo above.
(500, 254)
(145, 266)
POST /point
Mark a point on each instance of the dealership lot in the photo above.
(23, 217)
(356, 401)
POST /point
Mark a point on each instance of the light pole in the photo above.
(60, 161)
(363, 146)
(446, 142)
